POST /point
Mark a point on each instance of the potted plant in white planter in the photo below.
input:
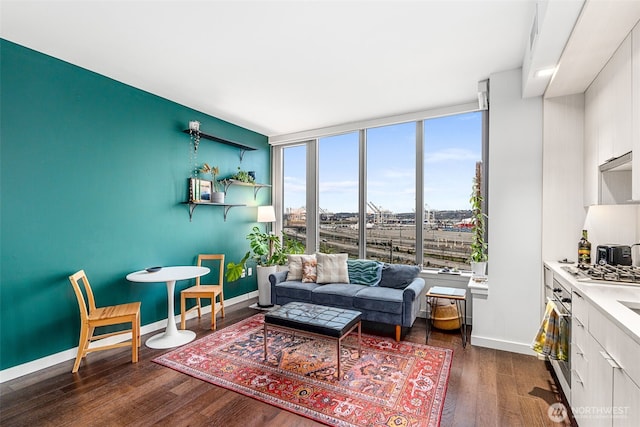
(217, 196)
(478, 256)
(266, 251)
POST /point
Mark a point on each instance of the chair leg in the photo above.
(82, 346)
(182, 312)
(398, 332)
(221, 304)
(213, 312)
(198, 303)
(138, 324)
(134, 339)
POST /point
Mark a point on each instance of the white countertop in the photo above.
(606, 298)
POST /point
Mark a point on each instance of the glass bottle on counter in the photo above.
(584, 251)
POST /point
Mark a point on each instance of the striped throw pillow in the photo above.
(364, 272)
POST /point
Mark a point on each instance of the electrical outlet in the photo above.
(249, 271)
(244, 273)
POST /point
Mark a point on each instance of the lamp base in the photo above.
(264, 305)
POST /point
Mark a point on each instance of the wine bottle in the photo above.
(584, 251)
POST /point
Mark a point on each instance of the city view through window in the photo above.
(452, 146)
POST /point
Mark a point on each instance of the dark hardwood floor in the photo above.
(486, 388)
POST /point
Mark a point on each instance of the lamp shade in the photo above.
(266, 214)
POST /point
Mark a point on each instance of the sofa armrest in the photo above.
(277, 277)
(411, 299)
(274, 279)
(414, 290)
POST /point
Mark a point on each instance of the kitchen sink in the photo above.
(631, 305)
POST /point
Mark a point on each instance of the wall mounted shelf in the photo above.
(194, 205)
(256, 187)
(243, 148)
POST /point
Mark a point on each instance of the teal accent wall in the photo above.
(93, 175)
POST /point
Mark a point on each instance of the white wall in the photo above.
(515, 198)
(613, 224)
(563, 209)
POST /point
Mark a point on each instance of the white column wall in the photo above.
(511, 314)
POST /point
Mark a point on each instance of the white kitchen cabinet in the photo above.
(606, 392)
(626, 400)
(614, 105)
(590, 171)
(635, 83)
(610, 123)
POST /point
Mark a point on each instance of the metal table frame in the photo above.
(338, 340)
(459, 299)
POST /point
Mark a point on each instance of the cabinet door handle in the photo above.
(579, 350)
(578, 379)
(575, 319)
(610, 360)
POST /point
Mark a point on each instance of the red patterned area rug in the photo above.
(392, 384)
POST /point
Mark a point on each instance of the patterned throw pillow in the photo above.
(309, 271)
(332, 268)
(295, 266)
(364, 271)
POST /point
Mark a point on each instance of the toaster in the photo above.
(614, 254)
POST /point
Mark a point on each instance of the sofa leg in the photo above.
(398, 330)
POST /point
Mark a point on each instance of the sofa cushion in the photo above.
(364, 271)
(295, 290)
(336, 294)
(309, 269)
(398, 276)
(375, 298)
(295, 266)
(332, 268)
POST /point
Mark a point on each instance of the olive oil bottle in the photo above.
(584, 251)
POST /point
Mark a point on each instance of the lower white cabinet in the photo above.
(626, 400)
(604, 391)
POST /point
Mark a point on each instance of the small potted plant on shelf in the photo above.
(217, 196)
(478, 256)
(243, 176)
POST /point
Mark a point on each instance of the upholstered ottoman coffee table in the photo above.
(314, 319)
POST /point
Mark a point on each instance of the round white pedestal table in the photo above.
(171, 337)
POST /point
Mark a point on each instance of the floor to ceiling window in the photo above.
(338, 194)
(294, 192)
(391, 193)
(360, 194)
(452, 147)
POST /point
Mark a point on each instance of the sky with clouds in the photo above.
(453, 145)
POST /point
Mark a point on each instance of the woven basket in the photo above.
(445, 316)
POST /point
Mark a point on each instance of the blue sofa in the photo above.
(395, 306)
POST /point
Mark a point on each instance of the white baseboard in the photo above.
(514, 347)
(70, 354)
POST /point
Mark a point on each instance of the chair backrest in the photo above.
(80, 276)
(212, 257)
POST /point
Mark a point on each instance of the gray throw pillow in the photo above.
(398, 276)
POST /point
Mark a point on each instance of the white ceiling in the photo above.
(280, 67)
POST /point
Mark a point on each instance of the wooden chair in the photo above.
(103, 316)
(204, 291)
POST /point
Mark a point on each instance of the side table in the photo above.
(454, 294)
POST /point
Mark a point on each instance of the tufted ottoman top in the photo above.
(318, 319)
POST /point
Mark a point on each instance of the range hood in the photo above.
(618, 164)
(616, 180)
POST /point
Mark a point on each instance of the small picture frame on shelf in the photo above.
(200, 190)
